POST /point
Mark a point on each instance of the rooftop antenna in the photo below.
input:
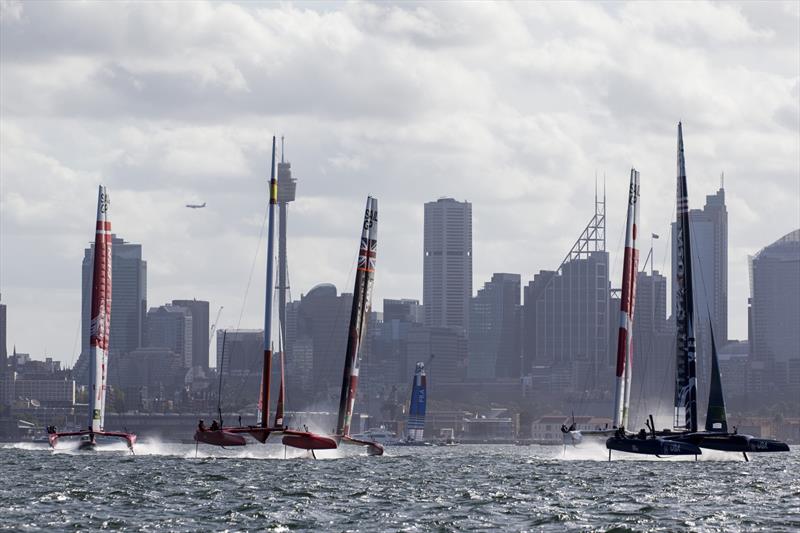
(281, 148)
(722, 180)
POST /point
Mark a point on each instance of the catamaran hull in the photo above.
(219, 437)
(308, 441)
(577, 437)
(373, 448)
(91, 443)
(730, 442)
(652, 446)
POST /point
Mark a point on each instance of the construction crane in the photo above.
(214, 327)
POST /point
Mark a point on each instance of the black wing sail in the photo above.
(716, 418)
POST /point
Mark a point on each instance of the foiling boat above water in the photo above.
(362, 303)
(622, 397)
(362, 294)
(98, 339)
(686, 436)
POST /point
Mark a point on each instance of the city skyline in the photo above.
(517, 137)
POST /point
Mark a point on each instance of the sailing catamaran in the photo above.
(685, 438)
(362, 303)
(235, 435)
(306, 440)
(630, 267)
(98, 337)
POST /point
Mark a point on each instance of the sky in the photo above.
(515, 107)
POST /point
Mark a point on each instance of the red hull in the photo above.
(219, 437)
(308, 441)
(373, 448)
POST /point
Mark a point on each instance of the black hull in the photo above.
(652, 446)
(733, 442)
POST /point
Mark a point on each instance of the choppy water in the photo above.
(462, 488)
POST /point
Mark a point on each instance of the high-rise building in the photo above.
(403, 310)
(494, 347)
(444, 352)
(171, 326)
(566, 324)
(775, 314)
(287, 188)
(709, 238)
(322, 318)
(3, 340)
(200, 328)
(447, 263)
(240, 351)
(388, 355)
(128, 302)
(653, 348)
(650, 312)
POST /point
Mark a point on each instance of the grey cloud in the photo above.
(514, 107)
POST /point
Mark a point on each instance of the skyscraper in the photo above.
(128, 302)
(322, 316)
(200, 329)
(653, 348)
(709, 234)
(447, 264)
(3, 341)
(565, 318)
(775, 314)
(494, 329)
(171, 326)
(287, 187)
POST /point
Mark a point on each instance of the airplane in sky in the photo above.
(196, 206)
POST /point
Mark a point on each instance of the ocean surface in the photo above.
(166, 487)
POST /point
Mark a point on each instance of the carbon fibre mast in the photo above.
(686, 369)
(233, 436)
(362, 300)
(99, 335)
(630, 268)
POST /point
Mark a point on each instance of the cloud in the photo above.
(513, 106)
